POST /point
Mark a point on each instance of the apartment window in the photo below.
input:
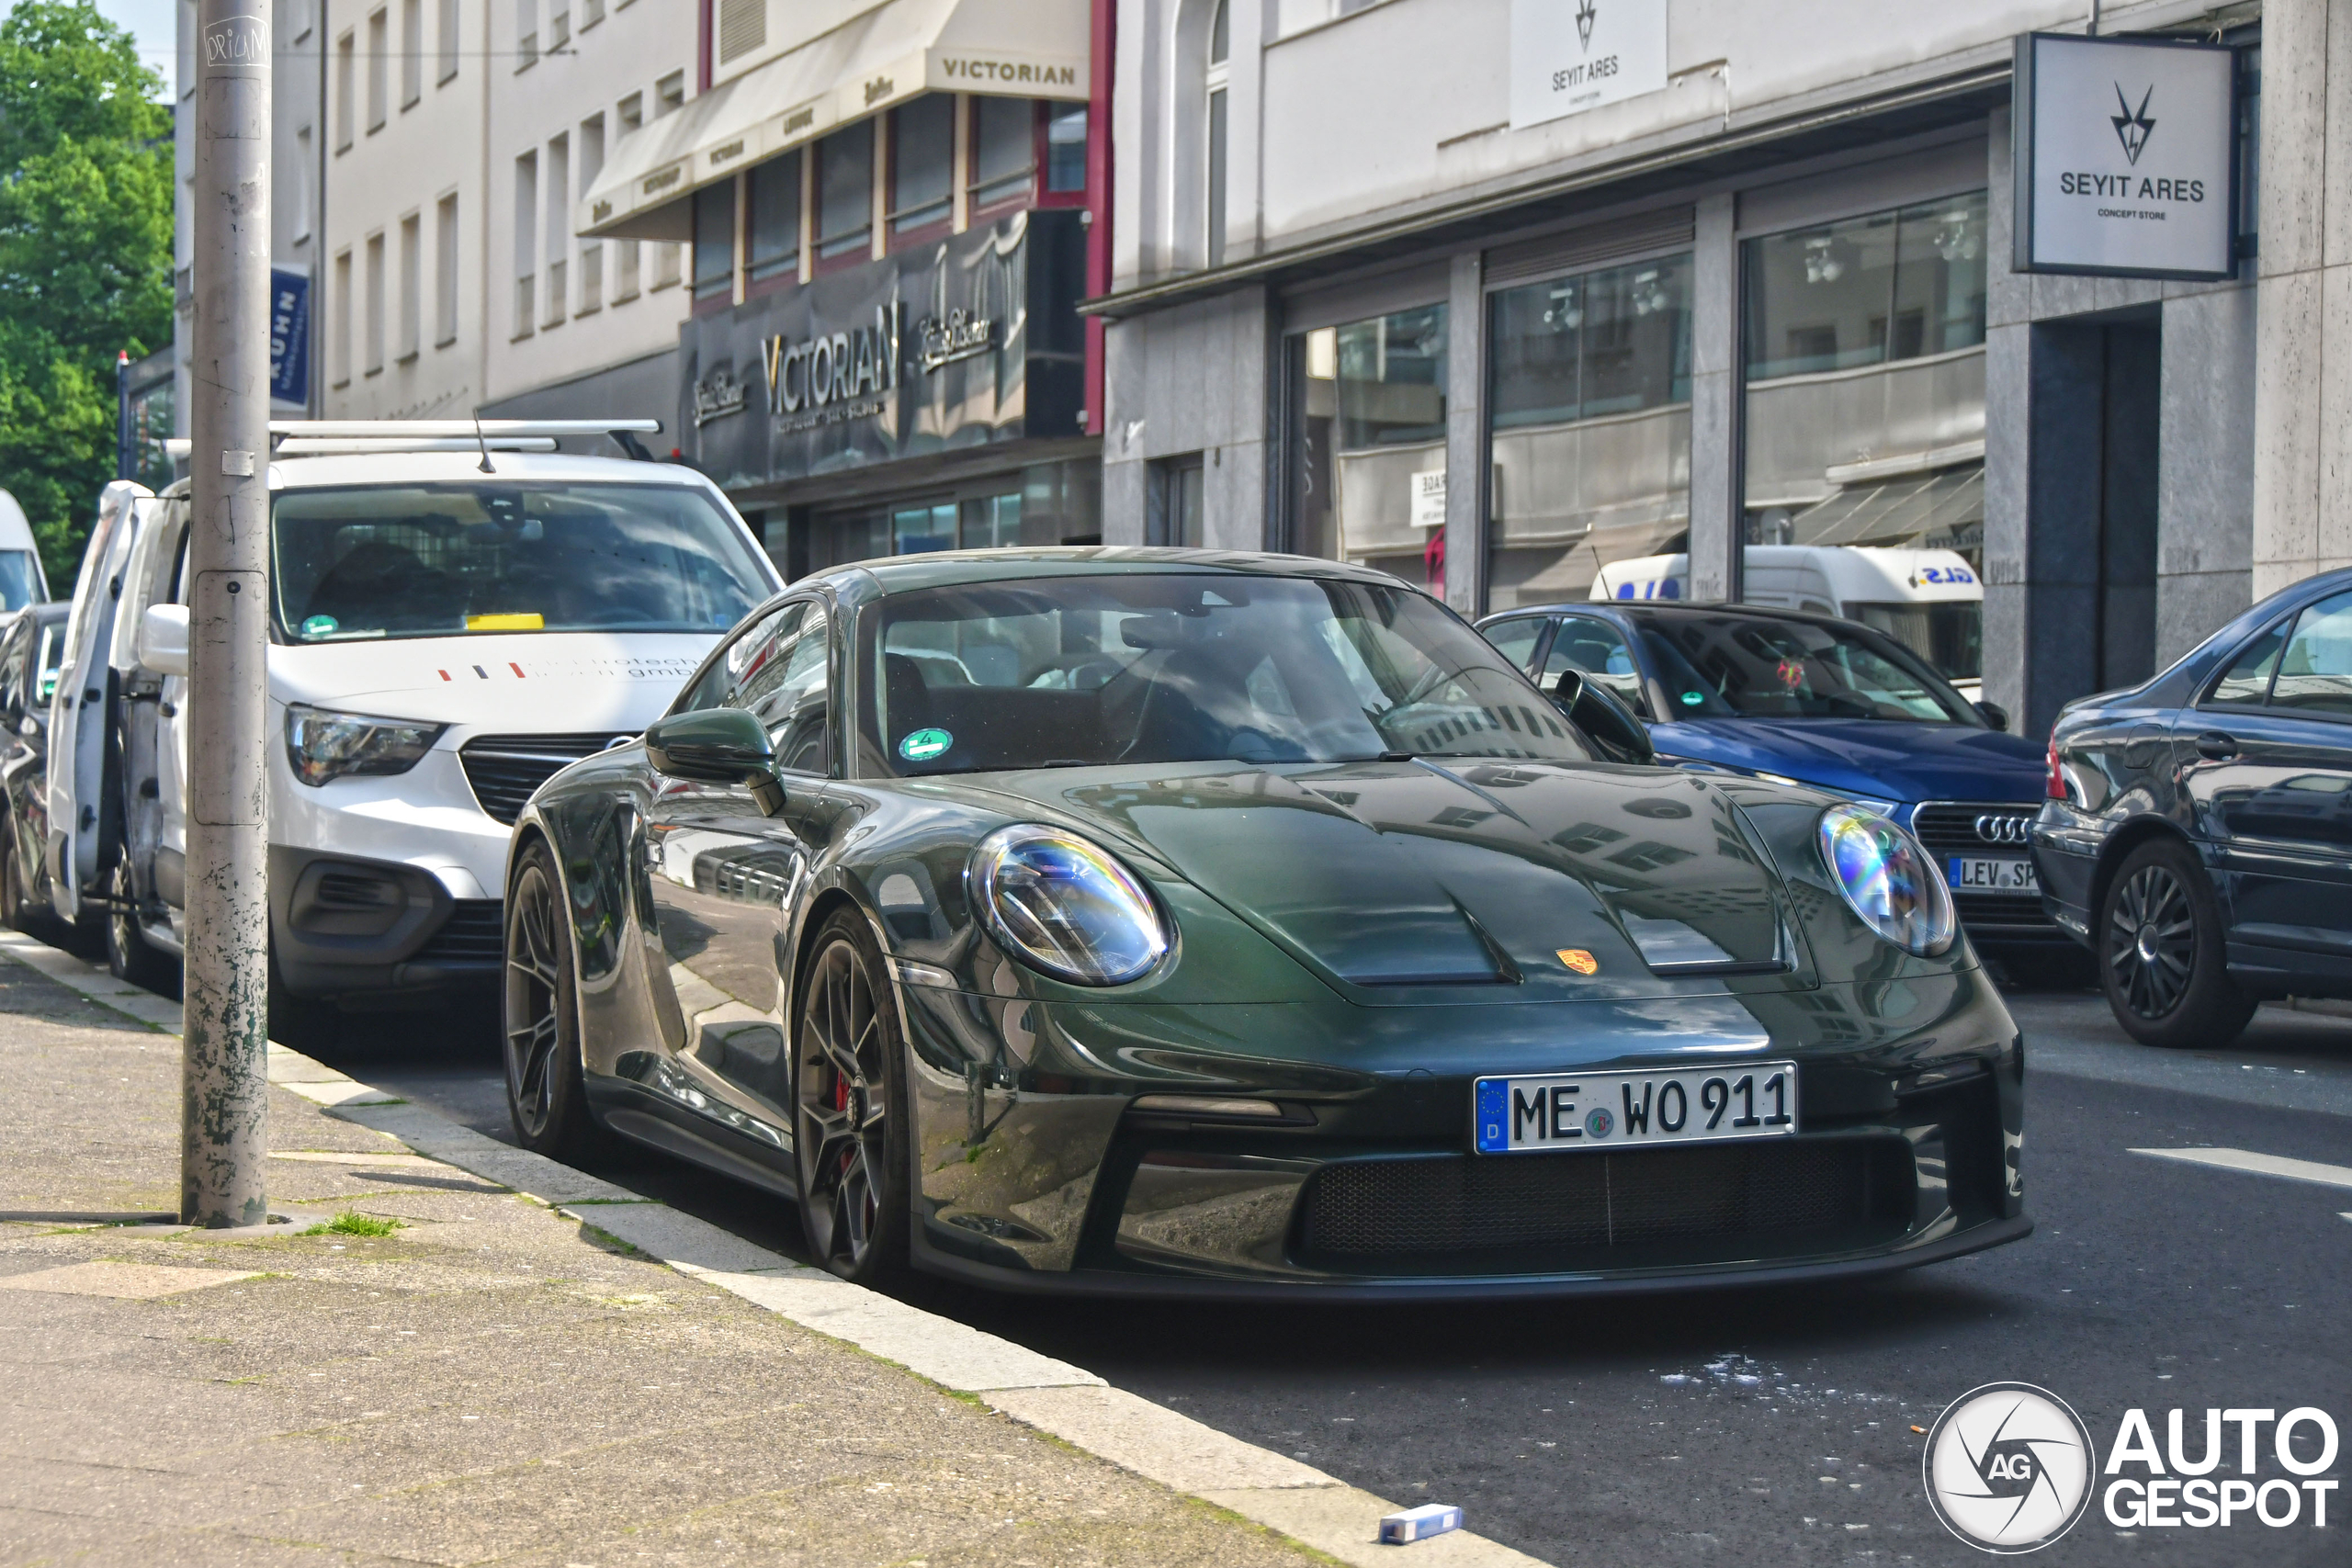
(304, 173)
(445, 271)
(559, 229)
(715, 241)
(670, 93)
(592, 252)
(526, 34)
(845, 193)
(448, 41)
(558, 31)
(591, 13)
(1005, 150)
(339, 322)
(526, 236)
(922, 166)
(412, 51)
(346, 86)
(1066, 151)
(773, 218)
(1219, 68)
(301, 10)
(375, 327)
(631, 113)
(412, 285)
(630, 117)
(379, 61)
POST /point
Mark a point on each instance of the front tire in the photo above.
(848, 1123)
(547, 1090)
(2162, 952)
(131, 958)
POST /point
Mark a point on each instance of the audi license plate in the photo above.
(1990, 874)
(1560, 1111)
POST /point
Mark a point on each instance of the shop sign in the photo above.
(2124, 152)
(825, 377)
(1568, 56)
(717, 395)
(1428, 499)
(961, 336)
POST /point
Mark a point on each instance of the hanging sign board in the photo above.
(2125, 157)
(1568, 56)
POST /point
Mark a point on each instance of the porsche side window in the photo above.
(2315, 669)
(742, 660)
(792, 698)
(2247, 680)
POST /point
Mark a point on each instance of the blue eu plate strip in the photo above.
(1494, 1112)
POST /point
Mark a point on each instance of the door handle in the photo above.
(2217, 747)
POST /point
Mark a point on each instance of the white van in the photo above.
(1930, 600)
(22, 581)
(442, 640)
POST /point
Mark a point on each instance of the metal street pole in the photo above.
(124, 467)
(225, 1076)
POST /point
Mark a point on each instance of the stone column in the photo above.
(1465, 436)
(1716, 503)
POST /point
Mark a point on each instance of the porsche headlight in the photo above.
(321, 744)
(1888, 879)
(1065, 905)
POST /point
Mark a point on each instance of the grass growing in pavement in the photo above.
(351, 1221)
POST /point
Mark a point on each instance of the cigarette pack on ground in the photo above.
(1410, 1524)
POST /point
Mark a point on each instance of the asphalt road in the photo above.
(1754, 1425)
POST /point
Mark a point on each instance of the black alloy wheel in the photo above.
(131, 957)
(2160, 952)
(849, 1108)
(13, 908)
(546, 1092)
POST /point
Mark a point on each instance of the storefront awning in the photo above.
(1944, 510)
(885, 55)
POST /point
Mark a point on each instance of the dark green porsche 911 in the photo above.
(1139, 921)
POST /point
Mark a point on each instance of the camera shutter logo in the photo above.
(2008, 1468)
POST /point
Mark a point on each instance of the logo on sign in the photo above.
(1586, 16)
(2132, 125)
(2009, 1467)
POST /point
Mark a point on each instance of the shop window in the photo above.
(1176, 509)
(1066, 151)
(773, 246)
(715, 242)
(1219, 67)
(1588, 433)
(922, 168)
(845, 193)
(915, 530)
(1005, 151)
(1864, 430)
(992, 521)
(1367, 443)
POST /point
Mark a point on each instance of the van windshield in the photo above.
(446, 560)
(1079, 672)
(1948, 632)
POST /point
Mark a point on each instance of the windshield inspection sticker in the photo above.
(922, 745)
(320, 625)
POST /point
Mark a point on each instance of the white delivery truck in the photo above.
(1930, 600)
(22, 581)
(450, 623)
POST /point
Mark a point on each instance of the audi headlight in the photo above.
(1888, 879)
(1065, 905)
(322, 745)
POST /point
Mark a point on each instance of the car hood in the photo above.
(1410, 881)
(1870, 757)
(540, 681)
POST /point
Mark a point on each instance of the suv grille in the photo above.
(505, 769)
(1527, 1212)
(475, 932)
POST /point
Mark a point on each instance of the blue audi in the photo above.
(1790, 697)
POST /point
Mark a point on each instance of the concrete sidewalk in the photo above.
(493, 1381)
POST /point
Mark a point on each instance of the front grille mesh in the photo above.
(505, 769)
(1469, 1206)
(474, 932)
(1951, 829)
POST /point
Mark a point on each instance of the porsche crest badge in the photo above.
(1578, 959)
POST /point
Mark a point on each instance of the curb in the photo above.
(1064, 1402)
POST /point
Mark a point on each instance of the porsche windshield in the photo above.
(1075, 672)
(1726, 665)
(443, 561)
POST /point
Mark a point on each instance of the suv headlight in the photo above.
(322, 745)
(1065, 905)
(1889, 880)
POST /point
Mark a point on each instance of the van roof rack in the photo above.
(351, 437)
(340, 447)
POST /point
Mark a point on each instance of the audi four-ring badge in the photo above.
(2004, 829)
(1144, 920)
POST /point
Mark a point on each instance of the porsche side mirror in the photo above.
(718, 746)
(1609, 723)
(1995, 714)
(163, 640)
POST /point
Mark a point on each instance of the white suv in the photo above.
(442, 640)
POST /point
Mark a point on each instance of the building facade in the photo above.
(1533, 302)
(891, 212)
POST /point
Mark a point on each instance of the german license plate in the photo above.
(1990, 874)
(1560, 1111)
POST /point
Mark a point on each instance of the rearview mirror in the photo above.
(718, 746)
(163, 640)
(1606, 722)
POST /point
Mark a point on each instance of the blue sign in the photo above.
(289, 336)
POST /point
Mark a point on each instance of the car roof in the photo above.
(465, 468)
(1668, 607)
(948, 568)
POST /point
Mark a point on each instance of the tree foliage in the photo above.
(85, 256)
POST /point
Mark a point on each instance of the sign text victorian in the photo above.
(833, 367)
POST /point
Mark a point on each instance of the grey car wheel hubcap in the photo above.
(532, 985)
(842, 1112)
(2152, 941)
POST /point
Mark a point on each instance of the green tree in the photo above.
(85, 256)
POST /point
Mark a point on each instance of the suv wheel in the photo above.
(131, 957)
(2160, 952)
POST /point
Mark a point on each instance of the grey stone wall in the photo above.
(1192, 379)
